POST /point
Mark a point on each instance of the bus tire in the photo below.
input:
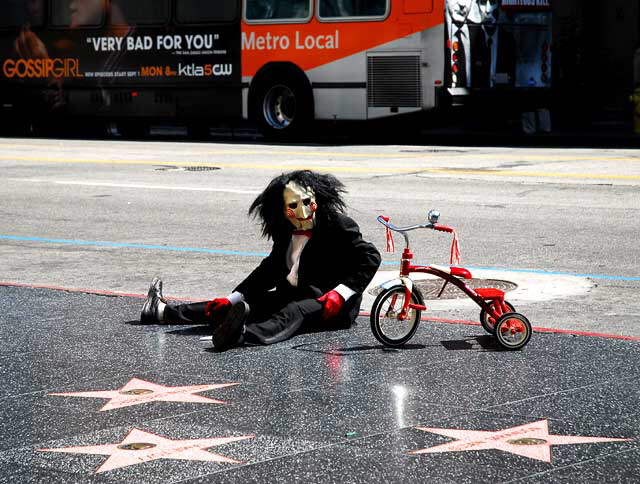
(283, 105)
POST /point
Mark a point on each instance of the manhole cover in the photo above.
(200, 168)
(430, 288)
(432, 150)
(186, 168)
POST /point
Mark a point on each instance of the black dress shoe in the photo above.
(149, 314)
(229, 333)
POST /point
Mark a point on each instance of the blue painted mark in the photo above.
(538, 271)
(553, 273)
(132, 246)
(264, 254)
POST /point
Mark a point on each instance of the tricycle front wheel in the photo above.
(386, 323)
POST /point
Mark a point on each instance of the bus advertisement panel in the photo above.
(58, 51)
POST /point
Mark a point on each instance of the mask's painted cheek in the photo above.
(290, 213)
(313, 206)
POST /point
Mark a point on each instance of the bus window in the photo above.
(339, 9)
(77, 13)
(198, 12)
(261, 10)
(139, 12)
(16, 13)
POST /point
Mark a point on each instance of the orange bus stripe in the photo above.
(315, 43)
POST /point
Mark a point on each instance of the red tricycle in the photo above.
(395, 314)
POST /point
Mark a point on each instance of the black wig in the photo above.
(269, 205)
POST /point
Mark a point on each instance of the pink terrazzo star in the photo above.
(137, 392)
(531, 440)
(140, 446)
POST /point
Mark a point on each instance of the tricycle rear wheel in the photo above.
(488, 323)
(513, 331)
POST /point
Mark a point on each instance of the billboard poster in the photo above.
(498, 43)
(59, 46)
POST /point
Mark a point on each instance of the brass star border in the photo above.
(531, 440)
(138, 392)
(140, 446)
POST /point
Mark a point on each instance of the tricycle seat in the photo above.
(490, 293)
(454, 271)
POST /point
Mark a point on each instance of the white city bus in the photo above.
(281, 63)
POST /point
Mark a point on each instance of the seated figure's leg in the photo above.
(284, 323)
(192, 313)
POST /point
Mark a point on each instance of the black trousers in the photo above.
(275, 315)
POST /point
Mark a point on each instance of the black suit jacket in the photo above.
(335, 254)
(481, 56)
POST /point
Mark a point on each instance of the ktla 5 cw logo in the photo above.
(41, 68)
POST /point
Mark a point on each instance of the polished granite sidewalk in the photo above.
(87, 396)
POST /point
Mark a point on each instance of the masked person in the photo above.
(312, 280)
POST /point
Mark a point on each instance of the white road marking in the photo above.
(88, 183)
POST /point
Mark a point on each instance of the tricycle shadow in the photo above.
(480, 343)
(179, 330)
(355, 350)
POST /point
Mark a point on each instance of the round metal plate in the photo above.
(527, 441)
(137, 446)
(137, 391)
(187, 168)
(430, 288)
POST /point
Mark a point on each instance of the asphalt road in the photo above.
(89, 395)
(109, 215)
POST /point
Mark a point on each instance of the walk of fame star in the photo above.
(138, 391)
(140, 446)
(531, 440)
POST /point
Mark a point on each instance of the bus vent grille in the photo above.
(393, 81)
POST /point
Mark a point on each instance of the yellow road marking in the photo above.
(342, 169)
(417, 154)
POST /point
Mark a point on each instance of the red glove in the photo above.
(332, 304)
(218, 308)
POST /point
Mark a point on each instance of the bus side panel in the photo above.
(314, 44)
(394, 78)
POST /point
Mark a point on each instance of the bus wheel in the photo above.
(282, 109)
(279, 107)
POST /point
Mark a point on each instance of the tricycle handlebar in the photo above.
(441, 228)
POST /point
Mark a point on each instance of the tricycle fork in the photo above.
(408, 292)
(492, 301)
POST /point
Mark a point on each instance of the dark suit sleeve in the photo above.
(360, 258)
(266, 275)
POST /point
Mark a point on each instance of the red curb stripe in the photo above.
(89, 291)
(537, 329)
(362, 313)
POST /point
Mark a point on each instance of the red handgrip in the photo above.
(391, 247)
(443, 228)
